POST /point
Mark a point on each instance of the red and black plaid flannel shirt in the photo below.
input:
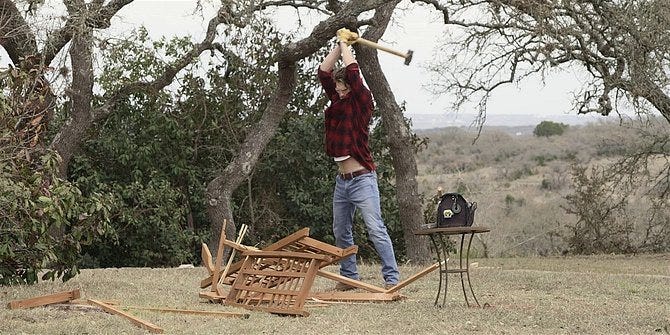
(347, 120)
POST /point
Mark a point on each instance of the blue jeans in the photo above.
(362, 193)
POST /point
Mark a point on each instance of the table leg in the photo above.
(444, 249)
(443, 272)
(441, 247)
(460, 265)
(467, 265)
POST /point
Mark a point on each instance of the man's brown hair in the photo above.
(340, 75)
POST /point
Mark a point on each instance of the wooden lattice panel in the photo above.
(275, 281)
(296, 242)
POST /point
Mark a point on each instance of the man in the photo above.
(346, 129)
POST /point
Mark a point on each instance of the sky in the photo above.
(418, 30)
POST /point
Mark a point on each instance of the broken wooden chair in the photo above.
(275, 281)
(296, 242)
(300, 242)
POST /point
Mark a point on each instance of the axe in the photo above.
(350, 37)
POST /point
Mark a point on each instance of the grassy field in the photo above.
(571, 295)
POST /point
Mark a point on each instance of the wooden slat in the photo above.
(302, 233)
(322, 246)
(240, 247)
(276, 273)
(138, 322)
(207, 258)
(219, 257)
(190, 311)
(351, 282)
(285, 254)
(269, 290)
(45, 300)
(357, 296)
(414, 277)
(350, 251)
(307, 283)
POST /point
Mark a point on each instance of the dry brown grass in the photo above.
(575, 295)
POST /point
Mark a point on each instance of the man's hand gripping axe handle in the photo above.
(350, 38)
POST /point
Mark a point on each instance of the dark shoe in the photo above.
(344, 287)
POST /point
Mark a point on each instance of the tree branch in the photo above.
(15, 35)
(95, 16)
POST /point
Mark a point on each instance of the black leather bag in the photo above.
(454, 211)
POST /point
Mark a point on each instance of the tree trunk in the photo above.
(220, 190)
(67, 141)
(403, 153)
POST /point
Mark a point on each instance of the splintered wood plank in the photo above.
(351, 282)
(321, 246)
(219, 258)
(239, 247)
(207, 258)
(138, 322)
(350, 251)
(302, 233)
(345, 253)
(191, 311)
(357, 296)
(313, 246)
(55, 298)
(414, 277)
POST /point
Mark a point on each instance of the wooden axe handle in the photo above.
(380, 47)
(369, 43)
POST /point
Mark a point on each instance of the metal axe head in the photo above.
(408, 58)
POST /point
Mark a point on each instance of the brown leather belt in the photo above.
(351, 175)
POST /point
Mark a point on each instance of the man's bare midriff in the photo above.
(349, 165)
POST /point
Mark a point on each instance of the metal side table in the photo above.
(439, 238)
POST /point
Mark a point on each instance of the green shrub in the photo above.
(44, 222)
(44, 219)
(549, 128)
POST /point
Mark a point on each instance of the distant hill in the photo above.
(443, 120)
(522, 183)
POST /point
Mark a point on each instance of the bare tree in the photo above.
(623, 46)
